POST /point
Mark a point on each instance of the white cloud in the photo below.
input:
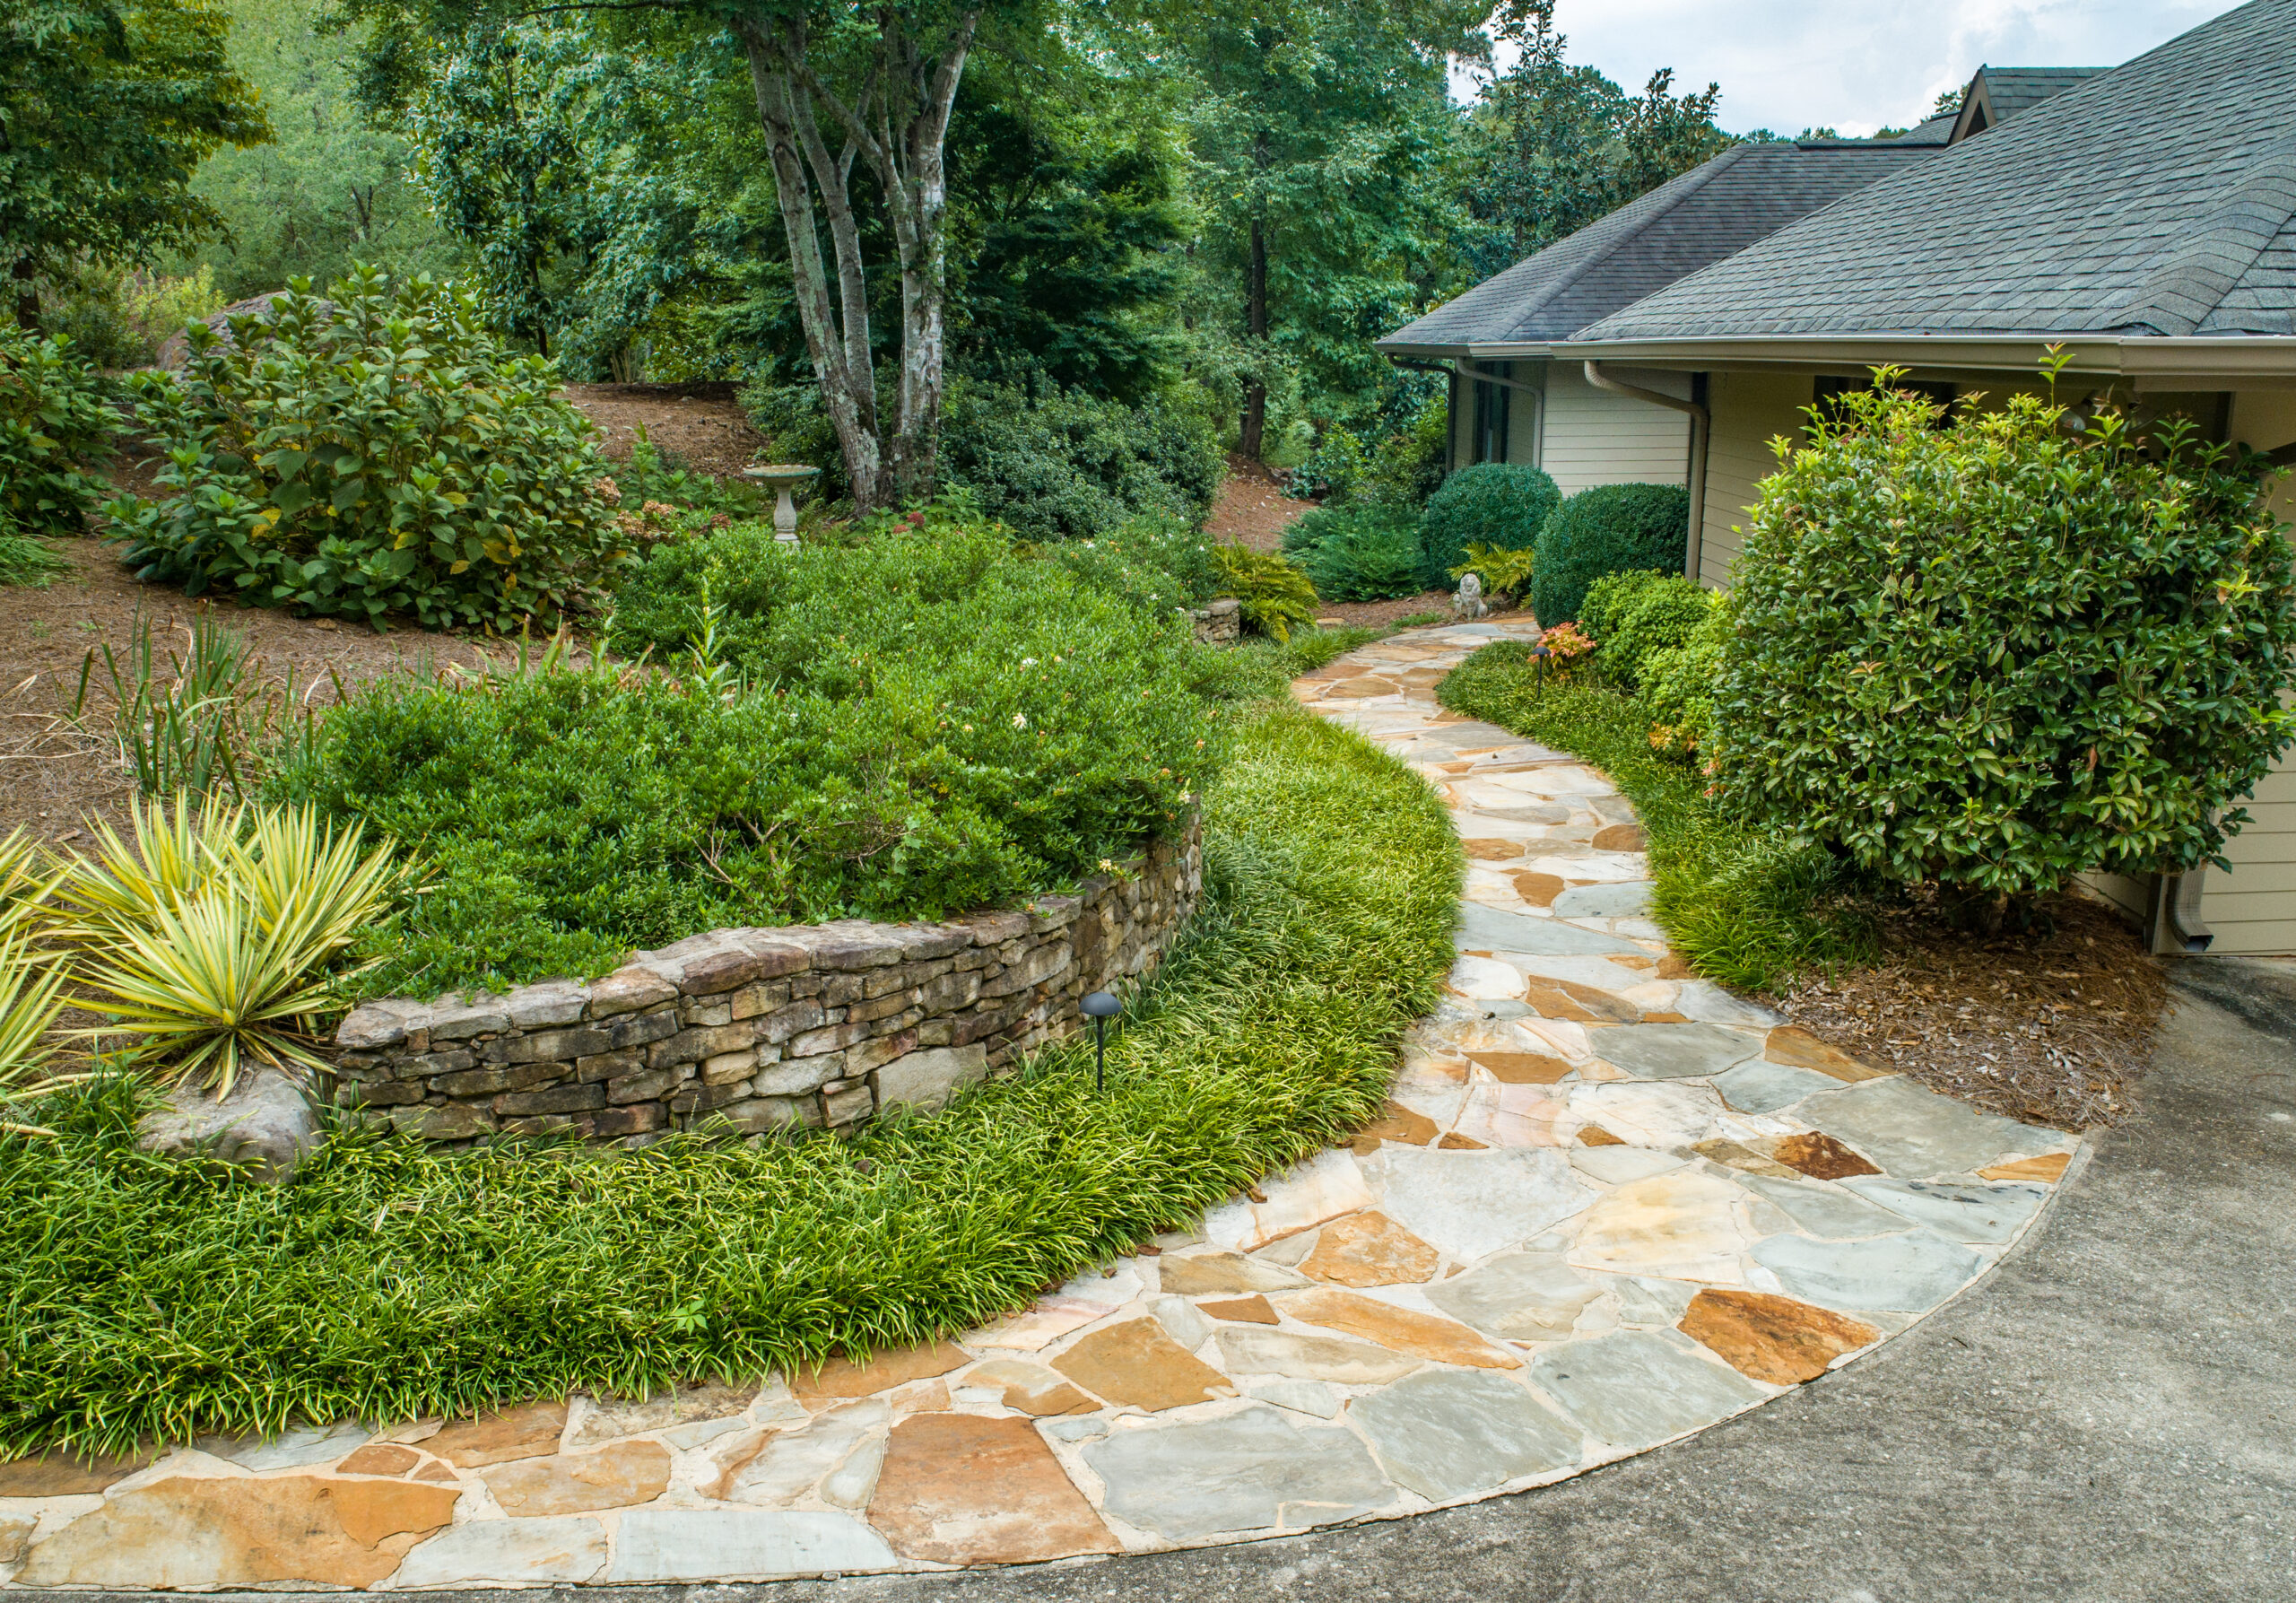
(1855, 65)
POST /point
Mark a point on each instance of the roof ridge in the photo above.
(2192, 280)
(1704, 173)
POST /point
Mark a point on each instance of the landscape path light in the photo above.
(1101, 1006)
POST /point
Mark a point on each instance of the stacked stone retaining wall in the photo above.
(823, 1024)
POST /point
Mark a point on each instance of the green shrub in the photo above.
(389, 1280)
(792, 418)
(1161, 563)
(1634, 616)
(905, 728)
(53, 421)
(383, 455)
(1498, 504)
(1063, 465)
(1277, 598)
(1502, 571)
(1678, 684)
(650, 473)
(1980, 651)
(1611, 528)
(1745, 907)
(1358, 552)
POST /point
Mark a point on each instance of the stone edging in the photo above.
(820, 1024)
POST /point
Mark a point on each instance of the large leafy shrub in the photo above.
(1157, 562)
(383, 453)
(1060, 464)
(53, 420)
(1498, 504)
(1986, 652)
(1678, 684)
(914, 724)
(1363, 553)
(1611, 528)
(1634, 616)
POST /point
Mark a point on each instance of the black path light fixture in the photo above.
(1100, 1007)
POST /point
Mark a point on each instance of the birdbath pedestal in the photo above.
(785, 477)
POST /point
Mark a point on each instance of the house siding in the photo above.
(1593, 437)
(1749, 411)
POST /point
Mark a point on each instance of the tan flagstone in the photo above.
(211, 1531)
(1253, 1350)
(2049, 1168)
(1254, 1310)
(56, 1473)
(15, 1536)
(1453, 1141)
(1796, 1048)
(1493, 849)
(919, 1397)
(1324, 1186)
(1819, 1156)
(1029, 1387)
(1505, 1115)
(579, 1483)
(1403, 1330)
(1522, 1068)
(1369, 1249)
(1595, 1134)
(1136, 1363)
(1539, 890)
(959, 1489)
(1203, 1274)
(435, 1470)
(1771, 1338)
(840, 1378)
(525, 1431)
(1583, 1004)
(1396, 1123)
(609, 1418)
(1680, 1226)
(1041, 1325)
(379, 1458)
(1730, 1155)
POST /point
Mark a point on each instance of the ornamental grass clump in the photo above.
(377, 453)
(1994, 651)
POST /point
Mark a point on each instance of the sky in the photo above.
(1855, 64)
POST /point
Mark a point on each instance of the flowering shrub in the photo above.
(918, 723)
(382, 454)
(1986, 651)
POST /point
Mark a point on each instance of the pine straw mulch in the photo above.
(2052, 1025)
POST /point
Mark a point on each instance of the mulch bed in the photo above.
(2053, 1025)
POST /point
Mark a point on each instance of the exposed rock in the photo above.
(1772, 1338)
(926, 1080)
(215, 1531)
(958, 1489)
(523, 1431)
(613, 1478)
(264, 1124)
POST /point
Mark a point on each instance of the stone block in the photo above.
(643, 1029)
(456, 1019)
(457, 1122)
(572, 1098)
(881, 1049)
(609, 1066)
(386, 1093)
(830, 1039)
(849, 943)
(730, 969)
(841, 990)
(993, 929)
(847, 1107)
(785, 1022)
(266, 1123)
(691, 1045)
(1038, 966)
(543, 1007)
(762, 1113)
(489, 1081)
(798, 1075)
(555, 1045)
(707, 1010)
(752, 1001)
(629, 989)
(634, 1119)
(727, 1066)
(703, 1099)
(926, 1080)
(425, 1065)
(884, 1007)
(375, 1025)
(645, 1087)
(580, 1125)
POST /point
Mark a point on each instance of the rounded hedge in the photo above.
(1358, 552)
(1499, 504)
(1635, 616)
(1611, 528)
(1987, 653)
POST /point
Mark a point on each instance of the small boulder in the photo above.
(267, 1123)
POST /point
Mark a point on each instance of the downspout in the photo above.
(1466, 369)
(1700, 427)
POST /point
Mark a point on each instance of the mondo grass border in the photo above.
(143, 1299)
(1743, 908)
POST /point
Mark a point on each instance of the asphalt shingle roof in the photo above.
(2155, 198)
(2011, 90)
(1747, 192)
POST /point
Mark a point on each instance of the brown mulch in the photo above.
(1251, 508)
(699, 424)
(2053, 1025)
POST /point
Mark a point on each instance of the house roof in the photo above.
(2156, 199)
(1745, 193)
(1994, 94)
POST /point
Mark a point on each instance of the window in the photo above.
(1491, 412)
(1827, 388)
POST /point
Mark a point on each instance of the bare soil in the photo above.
(2052, 1024)
(1251, 508)
(699, 424)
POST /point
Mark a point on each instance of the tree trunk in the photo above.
(27, 297)
(1256, 318)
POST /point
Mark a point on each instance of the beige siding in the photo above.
(1594, 437)
(1750, 410)
(1522, 416)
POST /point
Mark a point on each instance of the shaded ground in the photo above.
(701, 424)
(1251, 508)
(2052, 1025)
(2104, 1418)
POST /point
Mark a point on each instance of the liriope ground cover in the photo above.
(141, 1298)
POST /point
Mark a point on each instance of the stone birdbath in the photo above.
(784, 477)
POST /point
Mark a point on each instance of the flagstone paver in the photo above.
(1608, 1205)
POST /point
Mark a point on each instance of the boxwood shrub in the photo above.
(378, 453)
(1984, 652)
(903, 728)
(1611, 528)
(1358, 552)
(1499, 504)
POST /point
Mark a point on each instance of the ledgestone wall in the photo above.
(823, 1024)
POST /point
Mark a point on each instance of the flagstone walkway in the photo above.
(1608, 1206)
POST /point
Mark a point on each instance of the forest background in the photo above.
(1185, 220)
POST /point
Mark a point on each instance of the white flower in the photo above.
(1020, 720)
(1028, 662)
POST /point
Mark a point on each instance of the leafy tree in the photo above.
(1560, 145)
(106, 109)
